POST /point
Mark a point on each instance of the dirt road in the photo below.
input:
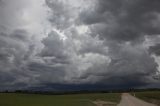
(128, 100)
(104, 103)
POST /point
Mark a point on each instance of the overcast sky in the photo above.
(50, 43)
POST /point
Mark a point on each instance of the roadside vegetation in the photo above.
(149, 96)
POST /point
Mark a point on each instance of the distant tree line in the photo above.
(80, 91)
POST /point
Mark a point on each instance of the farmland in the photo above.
(16, 99)
(149, 96)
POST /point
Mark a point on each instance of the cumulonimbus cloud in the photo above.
(102, 42)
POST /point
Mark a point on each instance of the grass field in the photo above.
(12, 99)
(150, 96)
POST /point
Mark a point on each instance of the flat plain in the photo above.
(149, 96)
(15, 99)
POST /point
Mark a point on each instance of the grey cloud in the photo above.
(114, 21)
(129, 66)
(155, 49)
(20, 34)
(16, 45)
(131, 62)
(11, 58)
(19, 65)
(6, 77)
(54, 46)
(11, 14)
(15, 51)
(62, 14)
(1, 2)
(119, 58)
(123, 25)
(55, 74)
(123, 20)
(93, 45)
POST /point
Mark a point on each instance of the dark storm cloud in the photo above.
(123, 20)
(12, 52)
(130, 66)
(18, 64)
(155, 49)
(55, 74)
(123, 24)
(98, 44)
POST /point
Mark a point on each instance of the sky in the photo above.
(79, 44)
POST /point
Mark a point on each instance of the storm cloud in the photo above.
(124, 20)
(57, 43)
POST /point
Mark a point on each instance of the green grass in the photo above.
(11, 99)
(149, 96)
